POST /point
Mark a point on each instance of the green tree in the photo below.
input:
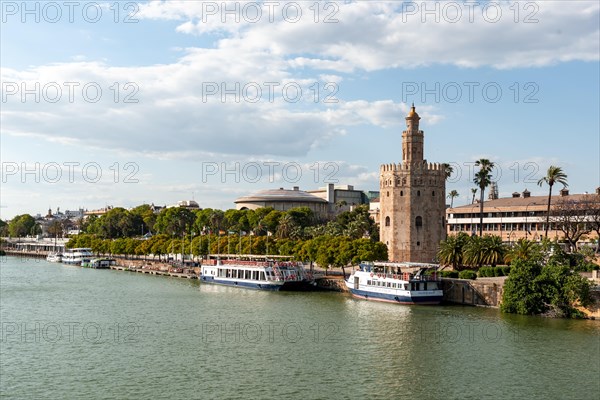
(3, 228)
(524, 251)
(473, 192)
(448, 170)
(285, 226)
(473, 251)
(452, 195)
(483, 178)
(522, 292)
(535, 289)
(451, 250)
(21, 225)
(553, 175)
(144, 214)
(175, 221)
(493, 250)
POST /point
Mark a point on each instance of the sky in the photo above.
(125, 103)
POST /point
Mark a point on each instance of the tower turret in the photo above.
(412, 138)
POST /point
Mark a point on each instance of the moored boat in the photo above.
(403, 283)
(54, 257)
(262, 275)
(77, 256)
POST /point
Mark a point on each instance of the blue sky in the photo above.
(170, 135)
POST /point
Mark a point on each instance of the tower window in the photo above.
(418, 192)
(388, 194)
(387, 221)
(401, 193)
(419, 221)
(418, 243)
(433, 193)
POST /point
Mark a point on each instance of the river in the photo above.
(75, 333)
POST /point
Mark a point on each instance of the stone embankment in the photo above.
(332, 283)
(485, 292)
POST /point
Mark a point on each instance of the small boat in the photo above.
(99, 263)
(403, 283)
(54, 257)
(77, 256)
(262, 275)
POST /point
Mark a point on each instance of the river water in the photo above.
(74, 333)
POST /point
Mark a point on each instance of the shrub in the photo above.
(498, 271)
(449, 274)
(485, 272)
(535, 289)
(466, 274)
(506, 270)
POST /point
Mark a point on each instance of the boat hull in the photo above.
(432, 299)
(241, 283)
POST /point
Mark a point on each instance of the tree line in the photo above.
(350, 237)
(297, 223)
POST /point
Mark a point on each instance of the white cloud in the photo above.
(379, 35)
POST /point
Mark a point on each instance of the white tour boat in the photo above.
(54, 257)
(404, 283)
(77, 256)
(262, 275)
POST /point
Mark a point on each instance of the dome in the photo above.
(412, 113)
(281, 194)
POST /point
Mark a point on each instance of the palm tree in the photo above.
(473, 251)
(452, 195)
(451, 250)
(493, 250)
(525, 250)
(553, 175)
(285, 226)
(473, 192)
(483, 178)
(448, 170)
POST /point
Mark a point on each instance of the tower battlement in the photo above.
(417, 166)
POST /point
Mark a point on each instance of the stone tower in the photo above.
(412, 200)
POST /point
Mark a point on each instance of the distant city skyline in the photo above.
(163, 101)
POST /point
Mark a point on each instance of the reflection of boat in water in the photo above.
(262, 275)
(77, 256)
(54, 257)
(404, 283)
(99, 263)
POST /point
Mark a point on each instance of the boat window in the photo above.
(262, 275)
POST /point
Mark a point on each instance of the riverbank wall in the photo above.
(485, 292)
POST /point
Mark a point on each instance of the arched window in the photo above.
(387, 221)
(402, 193)
(418, 192)
(433, 193)
(388, 194)
(419, 221)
